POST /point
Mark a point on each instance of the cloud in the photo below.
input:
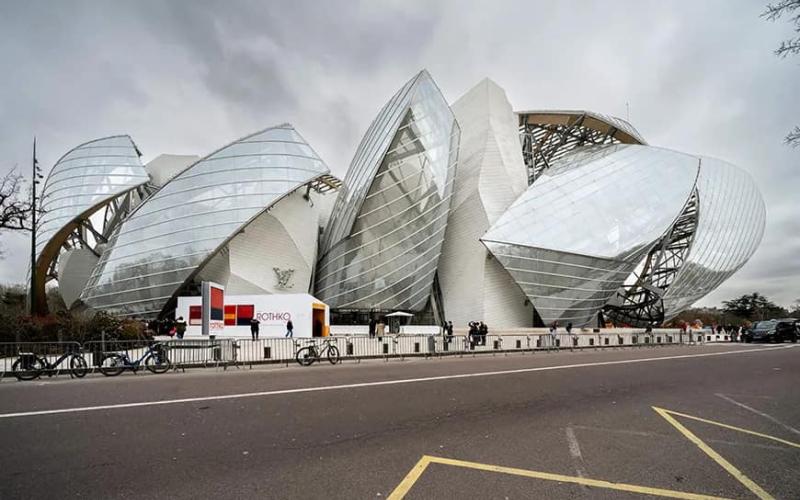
(187, 77)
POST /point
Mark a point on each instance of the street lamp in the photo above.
(36, 175)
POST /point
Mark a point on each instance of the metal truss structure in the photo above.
(92, 231)
(547, 136)
(641, 303)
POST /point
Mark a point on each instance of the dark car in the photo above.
(774, 330)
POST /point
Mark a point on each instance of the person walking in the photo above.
(483, 331)
(180, 327)
(372, 325)
(254, 328)
(473, 335)
(553, 333)
(449, 332)
(289, 329)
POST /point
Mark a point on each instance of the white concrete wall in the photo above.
(491, 174)
(273, 311)
(284, 237)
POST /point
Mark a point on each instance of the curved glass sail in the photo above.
(84, 179)
(575, 235)
(730, 226)
(174, 232)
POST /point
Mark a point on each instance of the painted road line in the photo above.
(737, 429)
(758, 412)
(380, 383)
(732, 470)
(412, 477)
(575, 450)
(648, 434)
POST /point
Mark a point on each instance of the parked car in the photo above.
(774, 330)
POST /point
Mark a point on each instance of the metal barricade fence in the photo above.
(50, 351)
(189, 352)
(266, 350)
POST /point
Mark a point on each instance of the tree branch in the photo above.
(14, 212)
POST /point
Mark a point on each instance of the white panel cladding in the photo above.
(491, 175)
(283, 238)
(504, 304)
(74, 268)
(164, 167)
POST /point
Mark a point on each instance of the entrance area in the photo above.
(318, 321)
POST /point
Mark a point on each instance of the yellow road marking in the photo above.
(415, 473)
(411, 478)
(732, 470)
(734, 428)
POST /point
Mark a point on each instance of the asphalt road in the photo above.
(565, 425)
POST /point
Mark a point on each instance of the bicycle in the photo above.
(30, 366)
(155, 359)
(307, 355)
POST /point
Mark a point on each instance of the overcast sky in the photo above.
(188, 77)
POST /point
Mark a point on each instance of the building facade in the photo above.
(466, 213)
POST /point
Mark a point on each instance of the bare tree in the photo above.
(15, 212)
(775, 11)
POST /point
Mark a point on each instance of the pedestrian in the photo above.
(372, 325)
(473, 335)
(289, 329)
(553, 333)
(180, 327)
(569, 328)
(380, 328)
(254, 328)
(483, 331)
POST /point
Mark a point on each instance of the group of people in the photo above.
(165, 327)
(377, 327)
(255, 330)
(177, 328)
(476, 335)
(735, 332)
(554, 328)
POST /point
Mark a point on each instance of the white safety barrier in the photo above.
(245, 352)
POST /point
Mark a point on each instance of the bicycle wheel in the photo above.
(78, 366)
(158, 362)
(28, 368)
(112, 365)
(333, 354)
(305, 356)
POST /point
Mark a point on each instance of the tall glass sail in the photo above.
(385, 235)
